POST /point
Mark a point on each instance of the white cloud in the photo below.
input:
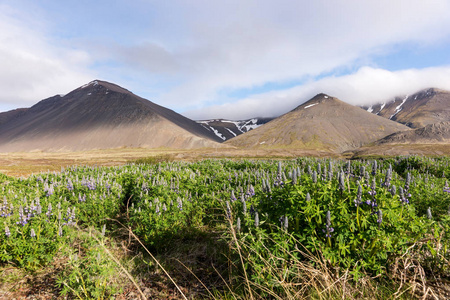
(366, 86)
(243, 44)
(31, 67)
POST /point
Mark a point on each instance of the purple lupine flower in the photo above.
(7, 232)
(294, 177)
(256, 219)
(387, 179)
(180, 203)
(358, 200)
(314, 176)
(393, 190)
(407, 181)
(328, 229)
(251, 190)
(286, 222)
(446, 187)
(308, 197)
(374, 167)
(429, 216)
(380, 217)
(60, 231)
(228, 210)
(69, 185)
(341, 181)
(232, 197)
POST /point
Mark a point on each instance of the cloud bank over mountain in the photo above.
(205, 57)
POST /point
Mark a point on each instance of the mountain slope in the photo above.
(322, 123)
(418, 110)
(438, 133)
(96, 116)
(227, 129)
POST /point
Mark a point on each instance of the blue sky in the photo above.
(224, 59)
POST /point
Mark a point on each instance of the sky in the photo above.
(233, 59)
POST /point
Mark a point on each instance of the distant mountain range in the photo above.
(102, 115)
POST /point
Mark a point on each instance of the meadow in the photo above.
(299, 228)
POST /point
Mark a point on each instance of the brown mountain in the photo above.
(418, 110)
(99, 115)
(323, 123)
(438, 133)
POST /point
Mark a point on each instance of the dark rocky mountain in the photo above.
(418, 110)
(323, 123)
(99, 115)
(227, 129)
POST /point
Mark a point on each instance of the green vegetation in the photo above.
(262, 229)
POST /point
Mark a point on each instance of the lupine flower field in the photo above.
(278, 224)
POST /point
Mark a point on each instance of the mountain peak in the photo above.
(98, 85)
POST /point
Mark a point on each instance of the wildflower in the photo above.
(286, 223)
(387, 179)
(403, 199)
(446, 187)
(429, 216)
(228, 210)
(238, 224)
(328, 230)
(232, 197)
(7, 232)
(380, 217)
(179, 204)
(251, 191)
(294, 177)
(308, 197)
(341, 181)
(407, 181)
(393, 190)
(358, 200)
(60, 231)
(314, 176)
(32, 233)
(256, 219)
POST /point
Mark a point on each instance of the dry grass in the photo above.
(22, 164)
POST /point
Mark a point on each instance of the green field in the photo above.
(304, 228)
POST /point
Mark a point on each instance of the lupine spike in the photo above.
(286, 223)
(256, 219)
(238, 224)
(429, 216)
(308, 197)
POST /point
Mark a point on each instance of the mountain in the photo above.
(227, 129)
(438, 133)
(99, 115)
(418, 110)
(322, 123)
